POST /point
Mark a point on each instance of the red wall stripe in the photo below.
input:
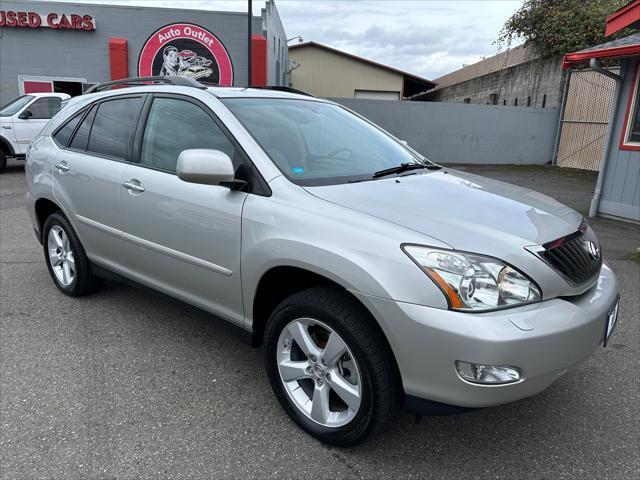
(118, 58)
(259, 73)
(37, 87)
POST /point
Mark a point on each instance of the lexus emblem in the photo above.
(592, 249)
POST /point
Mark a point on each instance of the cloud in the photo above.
(427, 38)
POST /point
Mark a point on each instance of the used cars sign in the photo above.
(53, 20)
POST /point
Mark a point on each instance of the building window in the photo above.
(544, 101)
(515, 102)
(493, 99)
(504, 102)
(528, 101)
(467, 100)
(630, 139)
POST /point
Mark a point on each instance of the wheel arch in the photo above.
(5, 147)
(44, 207)
(279, 282)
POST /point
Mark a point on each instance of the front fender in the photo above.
(359, 252)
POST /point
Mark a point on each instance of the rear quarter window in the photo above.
(81, 137)
(63, 135)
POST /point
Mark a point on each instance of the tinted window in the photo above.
(45, 107)
(113, 126)
(63, 135)
(81, 138)
(176, 125)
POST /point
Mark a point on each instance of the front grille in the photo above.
(571, 257)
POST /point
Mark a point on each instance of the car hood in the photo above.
(465, 211)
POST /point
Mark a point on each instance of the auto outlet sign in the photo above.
(188, 50)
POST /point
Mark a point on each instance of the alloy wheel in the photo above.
(319, 373)
(61, 255)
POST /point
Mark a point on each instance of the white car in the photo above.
(23, 119)
(196, 71)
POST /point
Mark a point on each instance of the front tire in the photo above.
(329, 367)
(3, 160)
(66, 259)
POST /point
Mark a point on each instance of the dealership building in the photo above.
(65, 47)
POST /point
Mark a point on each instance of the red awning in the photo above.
(627, 16)
(620, 48)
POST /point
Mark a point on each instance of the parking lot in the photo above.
(131, 384)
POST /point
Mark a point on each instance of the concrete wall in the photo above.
(85, 54)
(621, 173)
(536, 79)
(460, 133)
(329, 74)
(277, 51)
(508, 58)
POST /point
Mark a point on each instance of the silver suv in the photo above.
(373, 277)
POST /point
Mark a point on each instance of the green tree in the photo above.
(560, 26)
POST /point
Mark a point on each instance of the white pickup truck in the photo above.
(23, 119)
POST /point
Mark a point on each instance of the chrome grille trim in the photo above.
(569, 257)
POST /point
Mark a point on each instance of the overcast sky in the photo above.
(424, 37)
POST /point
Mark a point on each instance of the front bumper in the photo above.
(542, 339)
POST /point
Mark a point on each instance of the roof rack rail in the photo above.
(282, 88)
(171, 80)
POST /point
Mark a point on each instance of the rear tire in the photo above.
(359, 393)
(66, 259)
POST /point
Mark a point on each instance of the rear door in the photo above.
(95, 148)
(26, 129)
(183, 238)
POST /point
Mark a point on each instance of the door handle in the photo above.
(133, 186)
(62, 167)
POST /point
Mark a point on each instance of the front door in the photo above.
(26, 129)
(183, 238)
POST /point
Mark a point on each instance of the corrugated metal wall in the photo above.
(327, 74)
(82, 54)
(621, 181)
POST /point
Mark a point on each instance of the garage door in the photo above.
(377, 95)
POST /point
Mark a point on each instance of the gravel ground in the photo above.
(129, 384)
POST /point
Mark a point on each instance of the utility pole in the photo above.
(249, 21)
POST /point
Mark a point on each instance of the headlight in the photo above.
(474, 282)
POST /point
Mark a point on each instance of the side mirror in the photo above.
(205, 166)
(26, 115)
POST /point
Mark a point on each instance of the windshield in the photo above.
(315, 143)
(15, 106)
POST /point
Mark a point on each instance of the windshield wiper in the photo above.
(404, 167)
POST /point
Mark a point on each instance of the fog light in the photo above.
(487, 374)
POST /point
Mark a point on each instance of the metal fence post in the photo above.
(565, 92)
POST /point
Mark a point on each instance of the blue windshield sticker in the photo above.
(297, 170)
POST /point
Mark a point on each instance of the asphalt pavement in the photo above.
(128, 384)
